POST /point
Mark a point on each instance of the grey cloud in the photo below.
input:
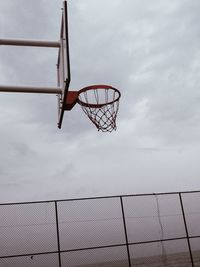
(147, 49)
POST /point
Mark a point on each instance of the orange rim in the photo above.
(94, 87)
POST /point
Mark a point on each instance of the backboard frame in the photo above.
(63, 64)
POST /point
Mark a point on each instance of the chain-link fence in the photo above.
(139, 230)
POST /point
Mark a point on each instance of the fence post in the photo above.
(125, 231)
(186, 229)
(57, 230)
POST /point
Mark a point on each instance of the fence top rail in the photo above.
(99, 197)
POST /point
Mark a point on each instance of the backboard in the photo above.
(63, 64)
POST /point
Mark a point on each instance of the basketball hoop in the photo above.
(100, 103)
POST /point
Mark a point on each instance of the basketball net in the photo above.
(101, 104)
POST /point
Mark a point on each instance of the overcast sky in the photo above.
(147, 49)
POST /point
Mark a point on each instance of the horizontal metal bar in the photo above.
(157, 240)
(28, 254)
(100, 197)
(23, 42)
(30, 89)
(94, 247)
(56, 252)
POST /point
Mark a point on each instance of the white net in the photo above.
(101, 104)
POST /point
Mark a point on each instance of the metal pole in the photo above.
(186, 229)
(125, 231)
(57, 231)
(30, 89)
(24, 42)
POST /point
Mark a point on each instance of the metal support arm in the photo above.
(23, 42)
(30, 89)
